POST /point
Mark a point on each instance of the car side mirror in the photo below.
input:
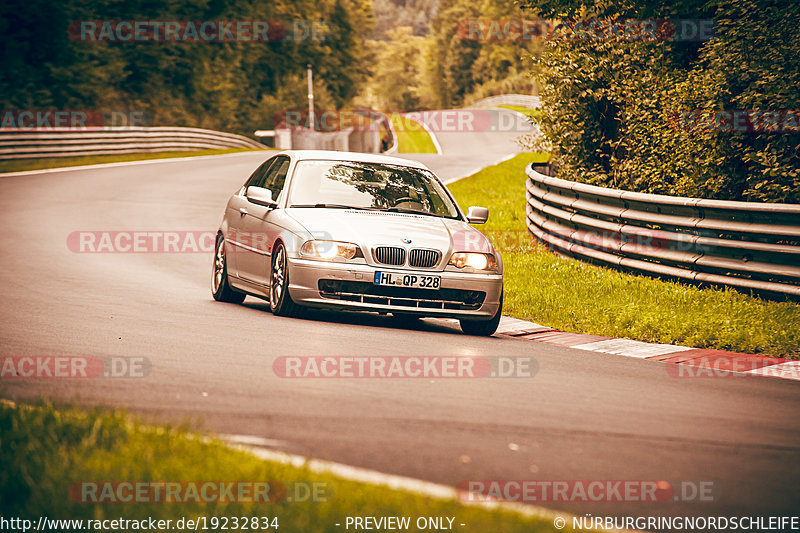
(260, 196)
(477, 215)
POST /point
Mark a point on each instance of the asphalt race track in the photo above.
(583, 416)
(488, 136)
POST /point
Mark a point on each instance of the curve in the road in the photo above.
(582, 417)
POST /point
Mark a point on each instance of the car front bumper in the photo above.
(351, 287)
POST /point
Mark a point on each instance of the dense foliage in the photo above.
(492, 60)
(232, 86)
(414, 14)
(446, 65)
(612, 108)
(389, 54)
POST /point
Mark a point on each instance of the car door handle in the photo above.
(242, 211)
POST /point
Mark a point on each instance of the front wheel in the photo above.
(280, 301)
(483, 328)
(220, 288)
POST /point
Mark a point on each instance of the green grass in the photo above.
(527, 111)
(46, 449)
(411, 136)
(19, 165)
(569, 295)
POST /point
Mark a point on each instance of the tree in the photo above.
(235, 86)
(614, 110)
(398, 76)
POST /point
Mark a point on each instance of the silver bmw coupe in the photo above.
(363, 232)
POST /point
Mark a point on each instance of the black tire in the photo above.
(280, 301)
(220, 288)
(484, 328)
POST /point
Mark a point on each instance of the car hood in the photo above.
(376, 228)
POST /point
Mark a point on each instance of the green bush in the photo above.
(610, 107)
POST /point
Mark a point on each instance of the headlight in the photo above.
(330, 250)
(478, 261)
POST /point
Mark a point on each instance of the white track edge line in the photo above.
(476, 170)
(434, 139)
(407, 484)
(372, 477)
(123, 164)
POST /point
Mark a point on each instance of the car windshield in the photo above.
(370, 186)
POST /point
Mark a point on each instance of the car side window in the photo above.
(276, 177)
(256, 179)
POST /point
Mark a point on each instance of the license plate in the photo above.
(400, 279)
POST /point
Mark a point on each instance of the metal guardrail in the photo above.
(62, 142)
(746, 245)
(522, 100)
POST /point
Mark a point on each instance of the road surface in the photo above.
(470, 139)
(584, 416)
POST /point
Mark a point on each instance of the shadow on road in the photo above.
(369, 319)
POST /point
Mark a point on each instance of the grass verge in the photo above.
(411, 136)
(46, 450)
(578, 297)
(20, 165)
(527, 111)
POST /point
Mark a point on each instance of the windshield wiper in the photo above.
(412, 211)
(389, 209)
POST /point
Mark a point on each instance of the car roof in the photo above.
(334, 155)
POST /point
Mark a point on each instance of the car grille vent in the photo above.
(390, 255)
(421, 258)
(369, 293)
